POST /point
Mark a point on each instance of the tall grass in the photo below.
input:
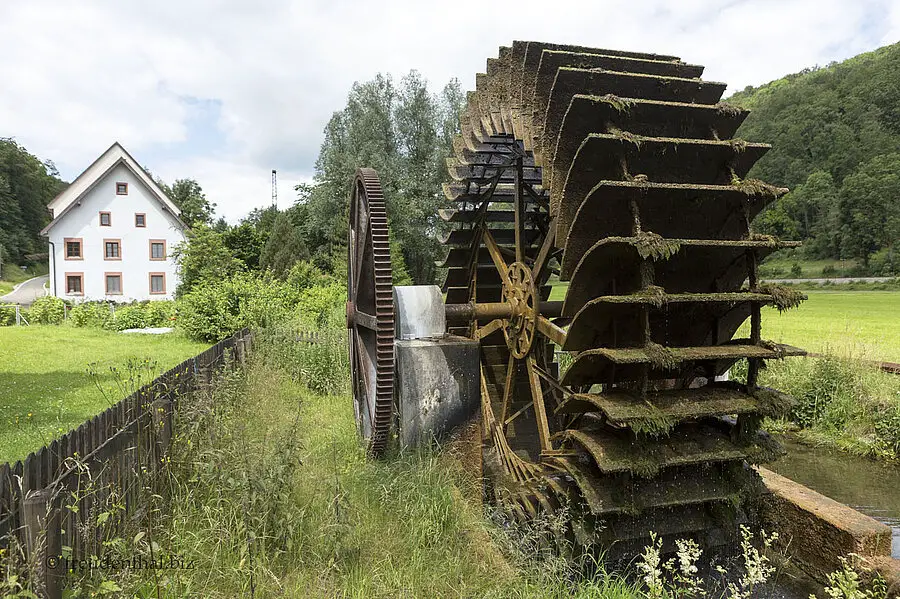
(842, 400)
(270, 493)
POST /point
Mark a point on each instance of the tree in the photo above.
(869, 207)
(245, 243)
(204, 257)
(284, 247)
(405, 133)
(27, 185)
(190, 199)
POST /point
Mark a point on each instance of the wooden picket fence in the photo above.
(44, 503)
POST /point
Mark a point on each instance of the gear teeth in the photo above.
(378, 397)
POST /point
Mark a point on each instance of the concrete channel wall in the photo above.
(817, 531)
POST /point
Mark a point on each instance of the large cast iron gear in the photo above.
(615, 171)
(370, 311)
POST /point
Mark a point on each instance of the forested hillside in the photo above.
(26, 187)
(836, 138)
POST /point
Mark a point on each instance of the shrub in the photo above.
(323, 306)
(885, 262)
(829, 271)
(90, 314)
(160, 313)
(215, 310)
(7, 316)
(860, 270)
(304, 275)
(208, 312)
(129, 316)
(47, 310)
(796, 271)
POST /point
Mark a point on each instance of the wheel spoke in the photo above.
(496, 256)
(507, 389)
(552, 332)
(540, 412)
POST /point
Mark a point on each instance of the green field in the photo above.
(46, 388)
(864, 324)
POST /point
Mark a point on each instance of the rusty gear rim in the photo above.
(370, 312)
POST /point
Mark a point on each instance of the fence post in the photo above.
(18, 316)
(42, 543)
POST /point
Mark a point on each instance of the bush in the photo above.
(829, 271)
(885, 262)
(323, 307)
(7, 316)
(796, 271)
(215, 310)
(129, 316)
(860, 270)
(90, 314)
(304, 275)
(47, 310)
(160, 313)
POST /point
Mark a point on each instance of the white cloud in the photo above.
(78, 75)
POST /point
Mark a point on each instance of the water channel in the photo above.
(870, 487)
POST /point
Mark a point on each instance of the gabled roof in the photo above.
(93, 174)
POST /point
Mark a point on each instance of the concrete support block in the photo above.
(418, 312)
(438, 386)
(816, 529)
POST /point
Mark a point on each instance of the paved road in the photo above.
(835, 281)
(26, 292)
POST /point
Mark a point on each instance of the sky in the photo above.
(224, 91)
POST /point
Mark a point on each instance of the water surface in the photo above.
(870, 487)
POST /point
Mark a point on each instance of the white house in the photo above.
(112, 234)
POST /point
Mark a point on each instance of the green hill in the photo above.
(836, 138)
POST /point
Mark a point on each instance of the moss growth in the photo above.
(662, 357)
(739, 145)
(755, 187)
(783, 297)
(655, 246)
(655, 424)
(767, 450)
(776, 348)
(620, 104)
(626, 136)
(727, 109)
(770, 240)
(655, 294)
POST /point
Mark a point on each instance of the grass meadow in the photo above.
(864, 324)
(46, 385)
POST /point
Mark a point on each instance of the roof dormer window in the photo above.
(121, 189)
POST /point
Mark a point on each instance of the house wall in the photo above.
(83, 221)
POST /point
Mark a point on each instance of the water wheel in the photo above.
(617, 172)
